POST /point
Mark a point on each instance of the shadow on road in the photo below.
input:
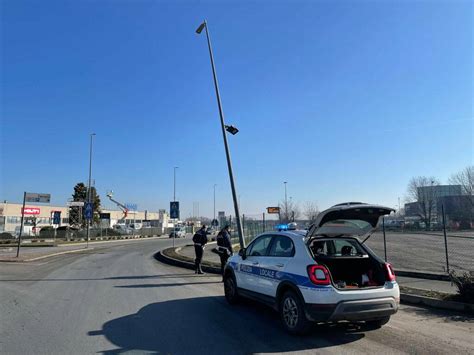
(208, 325)
(169, 284)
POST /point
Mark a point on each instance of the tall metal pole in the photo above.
(384, 239)
(286, 201)
(227, 152)
(215, 201)
(89, 188)
(445, 238)
(174, 184)
(21, 226)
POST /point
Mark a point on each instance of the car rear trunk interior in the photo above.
(354, 272)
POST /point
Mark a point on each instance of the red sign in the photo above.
(31, 210)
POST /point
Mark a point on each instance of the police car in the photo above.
(324, 274)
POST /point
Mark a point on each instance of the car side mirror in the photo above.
(242, 253)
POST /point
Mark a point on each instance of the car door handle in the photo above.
(255, 263)
(279, 265)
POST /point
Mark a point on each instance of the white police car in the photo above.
(324, 274)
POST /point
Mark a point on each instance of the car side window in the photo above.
(260, 246)
(282, 247)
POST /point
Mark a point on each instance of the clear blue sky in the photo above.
(345, 100)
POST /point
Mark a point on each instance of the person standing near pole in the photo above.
(199, 240)
(224, 246)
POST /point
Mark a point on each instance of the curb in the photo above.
(435, 303)
(184, 263)
(422, 275)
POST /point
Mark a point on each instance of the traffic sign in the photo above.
(56, 217)
(35, 197)
(76, 203)
(214, 223)
(273, 210)
(88, 210)
(174, 209)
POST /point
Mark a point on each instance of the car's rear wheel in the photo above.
(377, 323)
(230, 289)
(292, 314)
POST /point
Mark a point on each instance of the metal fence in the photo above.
(425, 251)
(417, 250)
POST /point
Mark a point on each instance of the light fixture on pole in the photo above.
(223, 127)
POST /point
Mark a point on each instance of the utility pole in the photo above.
(286, 202)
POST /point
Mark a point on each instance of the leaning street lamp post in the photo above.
(231, 129)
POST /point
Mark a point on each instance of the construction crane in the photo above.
(124, 209)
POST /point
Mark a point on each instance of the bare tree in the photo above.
(422, 189)
(289, 211)
(465, 178)
(310, 211)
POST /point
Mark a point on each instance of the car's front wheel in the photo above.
(292, 314)
(230, 289)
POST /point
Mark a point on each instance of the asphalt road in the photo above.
(118, 299)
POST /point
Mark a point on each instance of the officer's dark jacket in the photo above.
(200, 237)
(223, 240)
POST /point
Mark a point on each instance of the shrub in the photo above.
(465, 285)
(6, 235)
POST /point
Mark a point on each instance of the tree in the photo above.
(422, 190)
(465, 178)
(80, 194)
(289, 211)
(310, 211)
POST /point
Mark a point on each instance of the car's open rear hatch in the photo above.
(347, 220)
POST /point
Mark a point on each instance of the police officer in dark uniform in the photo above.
(200, 240)
(224, 246)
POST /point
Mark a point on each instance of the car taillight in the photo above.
(390, 273)
(319, 275)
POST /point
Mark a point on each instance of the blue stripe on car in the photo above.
(298, 280)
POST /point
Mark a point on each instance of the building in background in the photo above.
(42, 215)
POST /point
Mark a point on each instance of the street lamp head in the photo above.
(231, 129)
(201, 27)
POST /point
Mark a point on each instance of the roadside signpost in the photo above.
(35, 197)
(76, 204)
(174, 209)
(88, 210)
(275, 210)
(57, 217)
(30, 197)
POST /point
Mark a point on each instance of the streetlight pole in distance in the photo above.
(174, 183)
(215, 201)
(286, 201)
(223, 127)
(89, 188)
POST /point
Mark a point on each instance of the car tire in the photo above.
(377, 323)
(292, 314)
(230, 289)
